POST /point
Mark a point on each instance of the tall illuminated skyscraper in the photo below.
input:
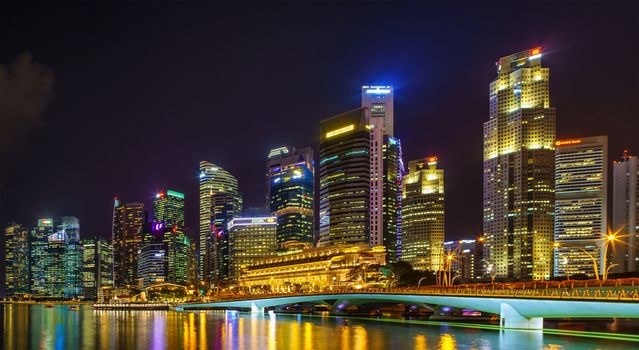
(423, 215)
(16, 260)
(581, 210)
(39, 256)
(70, 228)
(344, 172)
(97, 266)
(168, 207)
(220, 201)
(386, 170)
(291, 194)
(519, 169)
(127, 237)
(625, 213)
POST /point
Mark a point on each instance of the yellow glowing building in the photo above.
(314, 269)
(423, 215)
(519, 178)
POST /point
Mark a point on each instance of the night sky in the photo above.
(127, 99)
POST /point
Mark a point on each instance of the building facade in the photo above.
(581, 210)
(251, 239)
(168, 207)
(220, 201)
(39, 256)
(314, 269)
(97, 266)
(519, 169)
(625, 213)
(386, 170)
(16, 260)
(344, 179)
(291, 188)
(423, 215)
(127, 238)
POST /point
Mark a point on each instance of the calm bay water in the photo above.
(38, 327)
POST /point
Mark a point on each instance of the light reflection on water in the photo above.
(37, 327)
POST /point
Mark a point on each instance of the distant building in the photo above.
(250, 239)
(313, 269)
(168, 207)
(153, 255)
(39, 257)
(581, 210)
(519, 159)
(344, 184)
(291, 193)
(625, 213)
(467, 259)
(127, 222)
(16, 260)
(423, 215)
(220, 201)
(97, 266)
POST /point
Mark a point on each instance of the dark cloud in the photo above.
(26, 89)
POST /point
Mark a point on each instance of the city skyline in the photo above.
(423, 110)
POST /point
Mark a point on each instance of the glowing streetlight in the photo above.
(608, 239)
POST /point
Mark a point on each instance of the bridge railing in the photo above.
(629, 295)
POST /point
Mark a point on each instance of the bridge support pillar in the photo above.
(511, 318)
(256, 309)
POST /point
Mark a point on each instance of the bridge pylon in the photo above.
(256, 309)
(511, 318)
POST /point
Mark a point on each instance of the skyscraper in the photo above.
(344, 172)
(519, 169)
(220, 201)
(70, 226)
(39, 256)
(16, 260)
(250, 239)
(152, 256)
(386, 170)
(581, 210)
(168, 207)
(127, 222)
(625, 213)
(291, 194)
(423, 215)
(97, 266)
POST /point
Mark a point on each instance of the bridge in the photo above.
(518, 309)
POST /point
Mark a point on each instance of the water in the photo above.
(38, 327)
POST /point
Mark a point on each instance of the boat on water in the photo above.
(49, 306)
(74, 307)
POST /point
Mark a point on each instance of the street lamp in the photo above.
(594, 260)
(449, 260)
(609, 238)
(420, 281)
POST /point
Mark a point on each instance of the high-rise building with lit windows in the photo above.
(250, 239)
(70, 228)
(423, 215)
(220, 201)
(625, 213)
(291, 191)
(16, 260)
(97, 266)
(581, 210)
(168, 207)
(386, 170)
(127, 238)
(519, 159)
(39, 256)
(344, 172)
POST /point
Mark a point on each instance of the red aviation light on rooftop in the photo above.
(432, 160)
(535, 51)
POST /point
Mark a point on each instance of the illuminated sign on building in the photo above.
(340, 131)
(377, 90)
(567, 142)
(175, 194)
(269, 220)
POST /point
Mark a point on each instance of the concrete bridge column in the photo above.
(256, 309)
(511, 318)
